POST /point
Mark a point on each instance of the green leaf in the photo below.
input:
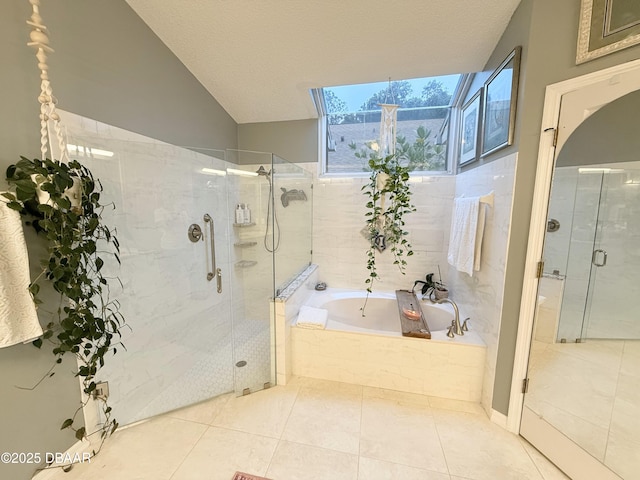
(67, 423)
(80, 433)
(14, 206)
(37, 343)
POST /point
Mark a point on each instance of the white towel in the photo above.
(18, 318)
(311, 317)
(467, 229)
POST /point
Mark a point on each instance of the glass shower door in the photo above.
(178, 334)
(252, 266)
(268, 250)
(615, 259)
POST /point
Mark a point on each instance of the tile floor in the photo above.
(315, 430)
(597, 410)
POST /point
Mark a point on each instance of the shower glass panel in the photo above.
(615, 266)
(592, 262)
(252, 270)
(189, 337)
(293, 208)
(274, 243)
(178, 349)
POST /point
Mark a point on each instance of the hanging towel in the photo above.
(311, 317)
(467, 229)
(18, 318)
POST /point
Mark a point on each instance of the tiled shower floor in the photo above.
(214, 372)
(315, 430)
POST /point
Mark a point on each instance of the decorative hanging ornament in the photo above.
(40, 42)
(388, 123)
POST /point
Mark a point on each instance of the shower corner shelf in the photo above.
(242, 225)
(245, 263)
(245, 244)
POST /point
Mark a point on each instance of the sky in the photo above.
(356, 95)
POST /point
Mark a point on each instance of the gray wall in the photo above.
(516, 34)
(296, 141)
(550, 59)
(110, 67)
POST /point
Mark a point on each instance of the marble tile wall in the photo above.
(340, 249)
(480, 297)
(550, 290)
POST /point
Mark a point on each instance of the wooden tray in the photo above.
(411, 317)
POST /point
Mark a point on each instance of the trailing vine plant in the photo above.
(388, 201)
(87, 322)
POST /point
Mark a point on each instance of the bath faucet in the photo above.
(457, 329)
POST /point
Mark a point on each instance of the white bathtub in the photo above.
(371, 350)
(381, 312)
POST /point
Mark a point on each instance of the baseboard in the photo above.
(74, 451)
(498, 418)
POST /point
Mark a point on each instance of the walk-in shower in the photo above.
(197, 329)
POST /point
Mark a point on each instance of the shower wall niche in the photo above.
(189, 340)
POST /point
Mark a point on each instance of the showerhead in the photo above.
(261, 171)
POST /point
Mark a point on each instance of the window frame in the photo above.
(451, 120)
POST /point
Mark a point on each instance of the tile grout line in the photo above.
(360, 432)
(283, 429)
(190, 450)
(535, 464)
(435, 424)
(615, 397)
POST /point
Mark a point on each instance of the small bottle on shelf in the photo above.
(239, 214)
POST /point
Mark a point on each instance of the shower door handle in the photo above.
(215, 272)
(594, 258)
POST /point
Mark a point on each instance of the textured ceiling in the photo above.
(259, 58)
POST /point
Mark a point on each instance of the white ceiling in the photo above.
(259, 58)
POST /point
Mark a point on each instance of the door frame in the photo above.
(537, 226)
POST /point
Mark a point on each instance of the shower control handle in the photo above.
(214, 272)
(594, 257)
(219, 279)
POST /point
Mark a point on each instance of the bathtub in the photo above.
(371, 350)
(381, 312)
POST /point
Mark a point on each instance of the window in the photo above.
(352, 119)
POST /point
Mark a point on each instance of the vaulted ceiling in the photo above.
(260, 58)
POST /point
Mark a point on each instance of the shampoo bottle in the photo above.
(247, 214)
(239, 214)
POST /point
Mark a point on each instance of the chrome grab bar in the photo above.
(215, 272)
(595, 255)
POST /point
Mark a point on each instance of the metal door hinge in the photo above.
(525, 385)
(555, 135)
(540, 269)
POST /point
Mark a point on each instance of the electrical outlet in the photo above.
(101, 391)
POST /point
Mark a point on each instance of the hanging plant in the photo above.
(87, 323)
(388, 201)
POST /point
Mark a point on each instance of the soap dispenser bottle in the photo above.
(247, 214)
(239, 214)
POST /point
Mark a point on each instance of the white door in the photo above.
(566, 438)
